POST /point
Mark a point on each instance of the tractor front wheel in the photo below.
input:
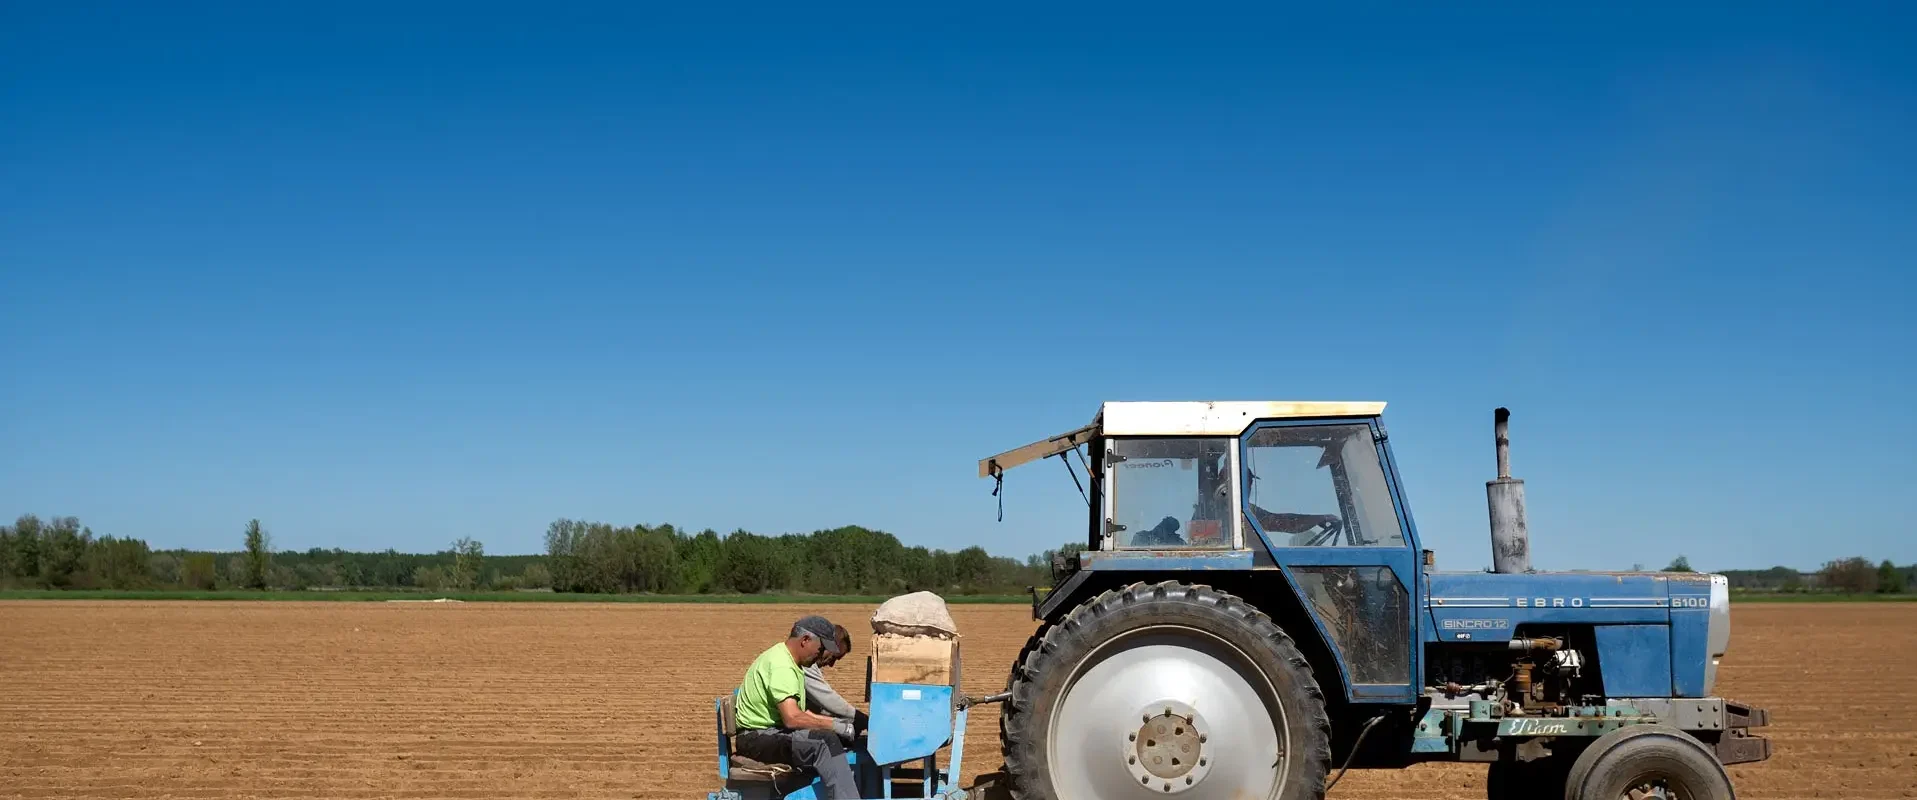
(1648, 762)
(1163, 690)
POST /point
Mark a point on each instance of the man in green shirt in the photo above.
(774, 726)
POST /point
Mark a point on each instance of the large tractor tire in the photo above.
(1164, 690)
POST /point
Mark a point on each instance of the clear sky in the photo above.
(384, 275)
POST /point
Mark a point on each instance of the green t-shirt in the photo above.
(773, 676)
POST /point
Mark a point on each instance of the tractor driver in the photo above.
(774, 726)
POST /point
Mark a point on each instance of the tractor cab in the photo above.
(1305, 489)
(1215, 476)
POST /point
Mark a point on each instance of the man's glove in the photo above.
(843, 727)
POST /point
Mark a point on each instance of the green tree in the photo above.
(258, 555)
(750, 564)
(468, 556)
(118, 563)
(1679, 564)
(915, 570)
(25, 560)
(63, 551)
(1890, 579)
(654, 560)
(974, 568)
(563, 538)
(698, 558)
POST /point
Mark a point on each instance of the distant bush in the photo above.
(163, 569)
(198, 571)
(536, 576)
(432, 579)
(1890, 579)
(1853, 575)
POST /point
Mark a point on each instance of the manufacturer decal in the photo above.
(1550, 602)
(1476, 624)
(1537, 727)
(1156, 463)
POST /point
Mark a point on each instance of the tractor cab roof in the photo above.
(1178, 418)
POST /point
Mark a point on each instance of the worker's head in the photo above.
(813, 638)
(844, 639)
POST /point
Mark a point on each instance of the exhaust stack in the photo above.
(1510, 536)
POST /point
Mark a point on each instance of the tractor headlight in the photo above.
(1717, 637)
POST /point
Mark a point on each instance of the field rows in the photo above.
(282, 700)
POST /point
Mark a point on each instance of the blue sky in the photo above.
(390, 275)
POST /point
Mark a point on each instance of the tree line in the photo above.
(599, 557)
(60, 553)
(1854, 575)
(581, 556)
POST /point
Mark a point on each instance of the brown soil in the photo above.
(351, 700)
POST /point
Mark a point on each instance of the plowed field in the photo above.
(352, 700)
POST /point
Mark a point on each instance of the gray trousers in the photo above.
(819, 751)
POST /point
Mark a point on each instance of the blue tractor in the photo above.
(1252, 611)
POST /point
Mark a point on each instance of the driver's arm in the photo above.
(792, 717)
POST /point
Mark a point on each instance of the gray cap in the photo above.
(821, 629)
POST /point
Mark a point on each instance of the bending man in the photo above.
(774, 726)
(821, 698)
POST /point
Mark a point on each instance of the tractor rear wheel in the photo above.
(1161, 690)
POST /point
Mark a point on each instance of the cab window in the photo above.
(1319, 486)
(1170, 493)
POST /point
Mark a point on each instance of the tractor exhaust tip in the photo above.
(1510, 534)
(1501, 427)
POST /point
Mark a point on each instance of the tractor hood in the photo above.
(1675, 626)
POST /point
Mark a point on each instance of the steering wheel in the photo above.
(1329, 526)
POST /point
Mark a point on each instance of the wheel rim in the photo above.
(1167, 711)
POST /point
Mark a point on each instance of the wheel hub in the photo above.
(1167, 751)
(1103, 740)
(1650, 790)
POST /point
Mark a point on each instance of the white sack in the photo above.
(915, 614)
